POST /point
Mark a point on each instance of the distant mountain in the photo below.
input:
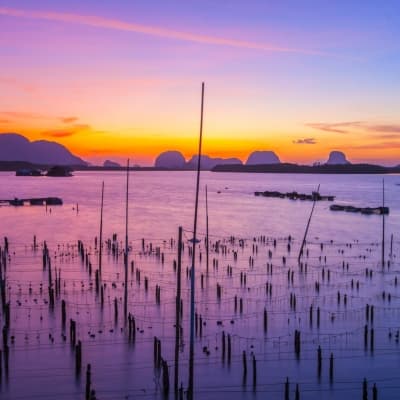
(175, 160)
(111, 164)
(209, 162)
(171, 160)
(337, 158)
(15, 147)
(262, 157)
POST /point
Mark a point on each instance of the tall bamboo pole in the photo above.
(308, 225)
(383, 223)
(192, 283)
(126, 243)
(101, 228)
(207, 240)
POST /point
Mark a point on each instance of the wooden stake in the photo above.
(88, 382)
(126, 243)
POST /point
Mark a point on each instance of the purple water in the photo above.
(42, 366)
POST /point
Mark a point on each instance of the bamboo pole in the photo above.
(192, 285)
(308, 225)
(383, 223)
(126, 243)
(207, 239)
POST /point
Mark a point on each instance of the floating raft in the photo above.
(41, 201)
(314, 196)
(362, 210)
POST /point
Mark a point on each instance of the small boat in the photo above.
(352, 209)
(36, 202)
(28, 172)
(16, 202)
(376, 210)
(362, 210)
(53, 201)
(59, 171)
(314, 196)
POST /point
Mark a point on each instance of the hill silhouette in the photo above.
(15, 147)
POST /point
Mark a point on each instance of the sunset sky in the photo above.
(111, 79)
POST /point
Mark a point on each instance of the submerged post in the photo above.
(126, 244)
(192, 275)
(383, 223)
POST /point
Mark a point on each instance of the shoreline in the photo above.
(284, 168)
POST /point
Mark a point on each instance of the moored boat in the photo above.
(362, 210)
(53, 201)
(16, 202)
(36, 202)
(59, 171)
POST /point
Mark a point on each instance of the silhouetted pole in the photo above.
(207, 241)
(391, 245)
(178, 311)
(383, 223)
(192, 285)
(308, 225)
(126, 243)
(101, 228)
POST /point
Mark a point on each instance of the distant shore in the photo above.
(308, 169)
(283, 168)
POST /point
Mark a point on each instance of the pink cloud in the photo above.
(73, 130)
(23, 86)
(337, 127)
(346, 127)
(21, 115)
(100, 22)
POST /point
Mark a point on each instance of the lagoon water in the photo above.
(41, 362)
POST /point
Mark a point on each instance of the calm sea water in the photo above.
(161, 201)
(42, 366)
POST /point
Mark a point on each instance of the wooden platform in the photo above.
(36, 201)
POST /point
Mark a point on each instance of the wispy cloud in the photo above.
(376, 146)
(63, 133)
(305, 141)
(336, 127)
(346, 127)
(20, 115)
(18, 84)
(388, 136)
(10, 116)
(59, 134)
(106, 23)
(390, 128)
(68, 120)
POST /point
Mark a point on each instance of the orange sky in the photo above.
(112, 84)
